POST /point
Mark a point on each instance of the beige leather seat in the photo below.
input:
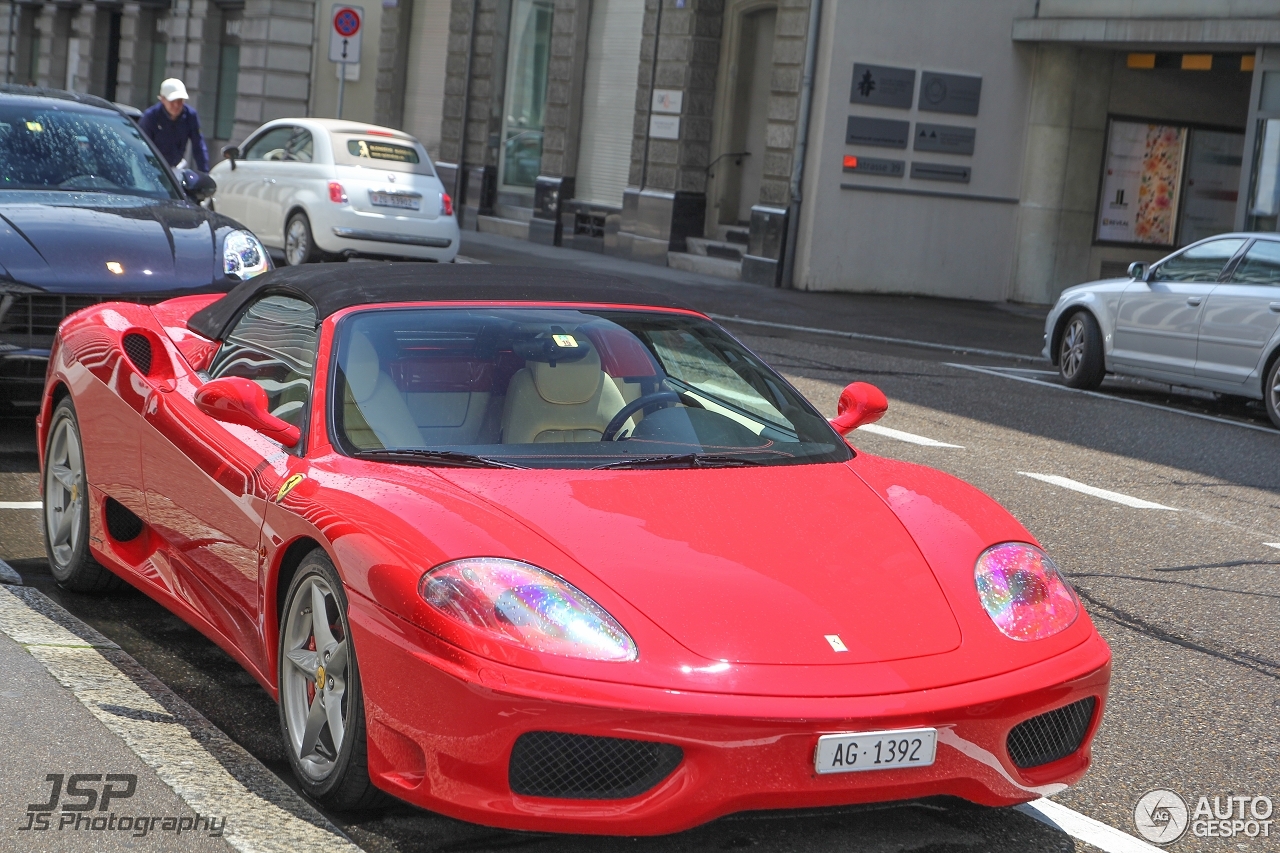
(572, 401)
(374, 411)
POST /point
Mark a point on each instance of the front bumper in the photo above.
(442, 724)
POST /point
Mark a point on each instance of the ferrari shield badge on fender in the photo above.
(288, 485)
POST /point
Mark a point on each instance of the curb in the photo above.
(198, 761)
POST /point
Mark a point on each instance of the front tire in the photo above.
(1271, 392)
(321, 703)
(66, 508)
(1080, 360)
(299, 245)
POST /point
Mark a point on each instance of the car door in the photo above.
(1158, 322)
(206, 493)
(263, 157)
(293, 172)
(1241, 316)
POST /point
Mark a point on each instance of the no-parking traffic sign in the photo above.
(345, 33)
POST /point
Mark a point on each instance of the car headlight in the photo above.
(243, 256)
(523, 604)
(1023, 592)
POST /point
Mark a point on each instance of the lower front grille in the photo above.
(1050, 736)
(30, 320)
(581, 767)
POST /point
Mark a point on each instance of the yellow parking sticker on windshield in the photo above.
(567, 341)
(35, 127)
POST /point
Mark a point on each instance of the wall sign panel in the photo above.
(949, 93)
(940, 172)
(947, 138)
(882, 86)
(881, 132)
(874, 166)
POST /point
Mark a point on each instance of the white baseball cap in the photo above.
(172, 90)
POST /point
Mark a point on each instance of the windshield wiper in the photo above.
(443, 458)
(681, 460)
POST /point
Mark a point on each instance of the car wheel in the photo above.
(321, 706)
(1271, 392)
(299, 246)
(66, 508)
(1080, 360)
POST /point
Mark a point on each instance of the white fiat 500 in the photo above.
(320, 189)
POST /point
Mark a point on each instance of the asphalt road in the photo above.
(1188, 595)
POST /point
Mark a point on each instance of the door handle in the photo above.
(1275, 306)
(1194, 300)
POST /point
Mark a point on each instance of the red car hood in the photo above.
(745, 565)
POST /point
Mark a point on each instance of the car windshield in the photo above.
(46, 148)
(564, 388)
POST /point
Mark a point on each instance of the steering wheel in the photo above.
(646, 402)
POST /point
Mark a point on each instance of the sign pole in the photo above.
(342, 77)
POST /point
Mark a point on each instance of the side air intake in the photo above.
(581, 767)
(122, 524)
(138, 348)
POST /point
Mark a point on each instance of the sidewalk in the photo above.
(1005, 327)
(100, 756)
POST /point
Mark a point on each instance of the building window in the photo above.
(525, 104)
(1166, 185)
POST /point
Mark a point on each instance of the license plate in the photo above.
(849, 753)
(402, 200)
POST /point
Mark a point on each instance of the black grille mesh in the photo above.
(581, 767)
(138, 348)
(122, 524)
(1050, 736)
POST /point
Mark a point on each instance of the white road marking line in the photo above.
(909, 437)
(859, 336)
(1272, 544)
(1003, 375)
(254, 824)
(1083, 828)
(1136, 503)
(20, 504)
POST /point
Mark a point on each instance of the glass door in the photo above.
(525, 104)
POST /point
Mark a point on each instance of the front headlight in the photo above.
(243, 256)
(523, 604)
(1023, 592)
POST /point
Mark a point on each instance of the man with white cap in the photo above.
(171, 124)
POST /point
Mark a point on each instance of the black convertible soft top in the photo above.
(332, 287)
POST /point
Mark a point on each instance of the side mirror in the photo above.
(860, 403)
(232, 154)
(198, 185)
(236, 400)
(1138, 271)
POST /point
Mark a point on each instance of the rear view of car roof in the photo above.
(333, 287)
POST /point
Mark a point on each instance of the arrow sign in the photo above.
(345, 34)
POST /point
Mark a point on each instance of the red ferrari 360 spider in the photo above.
(542, 551)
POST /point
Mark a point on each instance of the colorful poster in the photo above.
(1140, 188)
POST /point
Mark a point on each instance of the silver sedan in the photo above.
(1207, 317)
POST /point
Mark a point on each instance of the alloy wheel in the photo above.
(64, 491)
(297, 242)
(1072, 352)
(1275, 391)
(313, 689)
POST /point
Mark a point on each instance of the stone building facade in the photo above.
(691, 191)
